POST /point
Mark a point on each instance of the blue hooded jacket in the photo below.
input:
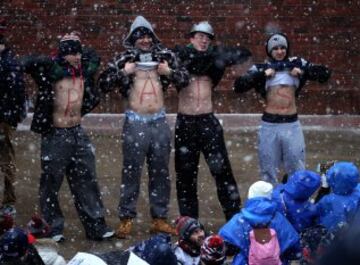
(292, 199)
(339, 207)
(259, 212)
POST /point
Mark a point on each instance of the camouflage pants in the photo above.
(7, 163)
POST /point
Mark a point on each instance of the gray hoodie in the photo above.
(139, 21)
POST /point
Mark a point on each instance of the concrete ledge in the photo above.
(102, 122)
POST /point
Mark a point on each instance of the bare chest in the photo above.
(69, 93)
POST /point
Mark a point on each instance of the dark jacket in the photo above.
(212, 62)
(255, 77)
(155, 251)
(47, 71)
(32, 258)
(12, 90)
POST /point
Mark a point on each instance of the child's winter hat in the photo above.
(186, 225)
(302, 184)
(70, 44)
(13, 244)
(213, 250)
(260, 189)
(38, 227)
(343, 177)
(6, 223)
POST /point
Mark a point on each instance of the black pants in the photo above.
(7, 163)
(195, 134)
(69, 152)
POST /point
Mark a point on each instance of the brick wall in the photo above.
(321, 31)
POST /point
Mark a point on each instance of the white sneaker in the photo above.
(58, 238)
(108, 234)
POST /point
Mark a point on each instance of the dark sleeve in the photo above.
(114, 75)
(179, 75)
(254, 78)
(228, 56)
(317, 72)
(91, 61)
(312, 72)
(12, 75)
(33, 64)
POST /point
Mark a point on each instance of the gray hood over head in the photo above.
(139, 21)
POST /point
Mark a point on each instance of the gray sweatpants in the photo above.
(68, 151)
(150, 139)
(280, 144)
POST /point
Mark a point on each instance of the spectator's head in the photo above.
(343, 177)
(302, 184)
(277, 47)
(141, 35)
(190, 230)
(260, 189)
(13, 244)
(213, 251)
(70, 48)
(6, 223)
(38, 227)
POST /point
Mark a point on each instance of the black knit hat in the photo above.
(186, 225)
(70, 44)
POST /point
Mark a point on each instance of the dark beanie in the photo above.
(186, 225)
(70, 44)
(139, 33)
